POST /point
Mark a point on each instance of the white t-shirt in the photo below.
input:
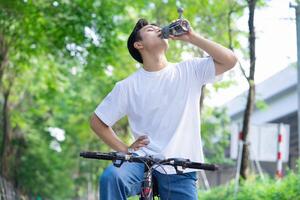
(164, 105)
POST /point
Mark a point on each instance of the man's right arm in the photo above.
(107, 134)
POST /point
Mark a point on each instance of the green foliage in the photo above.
(224, 84)
(261, 105)
(256, 189)
(215, 134)
(41, 165)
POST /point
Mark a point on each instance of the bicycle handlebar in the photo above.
(184, 163)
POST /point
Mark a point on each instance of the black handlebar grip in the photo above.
(82, 154)
(87, 154)
(97, 155)
(210, 167)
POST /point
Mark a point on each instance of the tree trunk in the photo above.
(5, 121)
(6, 137)
(251, 92)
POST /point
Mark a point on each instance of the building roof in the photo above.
(279, 92)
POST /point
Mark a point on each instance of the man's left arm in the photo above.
(224, 59)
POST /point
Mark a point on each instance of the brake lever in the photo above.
(120, 158)
(172, 162)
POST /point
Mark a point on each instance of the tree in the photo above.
(251, 92)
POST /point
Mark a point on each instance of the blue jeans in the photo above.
(120, 183)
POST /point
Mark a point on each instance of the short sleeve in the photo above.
(113, 107)
(204, 69)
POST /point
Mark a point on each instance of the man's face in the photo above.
(151, 38)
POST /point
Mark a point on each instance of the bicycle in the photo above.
(149, 188)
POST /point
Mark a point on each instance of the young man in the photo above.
(161, 100)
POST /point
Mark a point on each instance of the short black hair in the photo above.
(135, 36)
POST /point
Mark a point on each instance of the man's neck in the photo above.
(154, 62)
